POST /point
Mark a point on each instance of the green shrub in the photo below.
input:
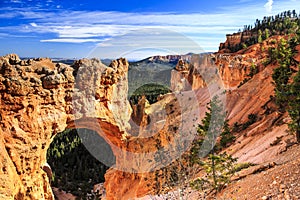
(240, 166)
(252, 118)
(219, 169)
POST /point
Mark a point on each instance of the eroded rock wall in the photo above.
(39, 99)
(232, 69)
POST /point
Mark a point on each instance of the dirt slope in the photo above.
(266, 143)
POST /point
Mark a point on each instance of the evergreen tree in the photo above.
(212, 125)
(72, 164)
(267, 33)
(218, 167)
(294, 105)
(226, 135)
(281, 74)
(287, 92)
(259, 39)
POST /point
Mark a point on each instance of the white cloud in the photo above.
(206, 29)
(79, 24)
(71, 40)
(139, 40)
(15, 1)
(269, 6)
(104, 44)
(8, 15)
(33, 24)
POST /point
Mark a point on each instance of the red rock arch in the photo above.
(39, 99)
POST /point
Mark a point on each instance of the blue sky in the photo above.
(134, 28)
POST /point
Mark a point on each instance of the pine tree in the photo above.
(267, 33)
(294, 105)
(281, 74)
(226, 135)
(212, 125)
(294, 13)
(259, 39)
(218, 167)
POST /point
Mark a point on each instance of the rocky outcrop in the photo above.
(62, 195)
(40, 99)
(234, 40)
(179, 77)
(231, 41)
(233, 68)
(251, 97)
(139, 117)
(200, 70)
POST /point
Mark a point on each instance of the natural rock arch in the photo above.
(40, 98)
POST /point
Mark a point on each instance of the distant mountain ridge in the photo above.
(172, 58)
(169, 58)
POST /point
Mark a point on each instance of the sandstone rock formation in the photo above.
(140, 119)
(231, 40)
(40, 99)
(233, 68)
(234, 39)
(253, 97)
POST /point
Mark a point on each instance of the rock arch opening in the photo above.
(75, 167)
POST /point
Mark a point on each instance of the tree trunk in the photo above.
(298, 129)
(298, 135)
(214, 169)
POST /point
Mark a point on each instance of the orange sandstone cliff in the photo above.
(40, 99)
